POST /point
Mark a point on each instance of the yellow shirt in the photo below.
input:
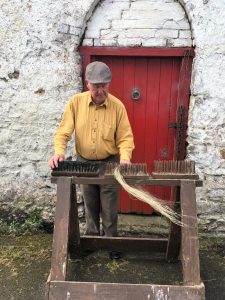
(100, 131)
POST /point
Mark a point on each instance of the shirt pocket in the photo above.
(107, 132)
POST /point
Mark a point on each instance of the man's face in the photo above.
(99, 92)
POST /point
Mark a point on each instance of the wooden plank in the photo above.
(61, 230)
(139, 116)
(175, 175)
(152, 111)
(174, 241)
(144, 51)
(150, 181)
(128, 81)
(74, 230)
(190, 243)
(123, 244)
(115, 291)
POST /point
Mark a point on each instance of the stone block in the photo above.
(109, 34)
(179, 42)
(88, 42)
(92, 33)
(106, 12)
(180, 25)
(75, 30)
(184, 34)
(129, 42)
(105, 42)
(137, 33)
(146, 9)
(154, 42)
(166, 33)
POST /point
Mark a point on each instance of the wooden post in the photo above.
(174, 241)
(74, 230)
(190, 243)
(61, 230)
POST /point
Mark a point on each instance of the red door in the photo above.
(150, 88)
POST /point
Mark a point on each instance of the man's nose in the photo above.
(100, 90)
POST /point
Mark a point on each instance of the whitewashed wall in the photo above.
(40, 68)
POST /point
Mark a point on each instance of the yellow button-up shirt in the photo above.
(100, 131)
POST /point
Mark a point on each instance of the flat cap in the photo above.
(98, 72)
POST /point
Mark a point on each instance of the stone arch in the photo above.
(115, 23)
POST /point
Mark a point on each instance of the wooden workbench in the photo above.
(67, 241)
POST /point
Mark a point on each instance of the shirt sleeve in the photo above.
(66, 127)
(124, 136)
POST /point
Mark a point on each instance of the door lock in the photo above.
(136, 94)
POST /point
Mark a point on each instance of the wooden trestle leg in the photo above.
(61, 230)
(74, 230)
(190, 243)
(174, 241)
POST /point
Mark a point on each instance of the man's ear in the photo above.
(88, 85)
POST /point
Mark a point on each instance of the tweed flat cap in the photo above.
(98, 72)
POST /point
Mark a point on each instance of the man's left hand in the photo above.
(125, 162)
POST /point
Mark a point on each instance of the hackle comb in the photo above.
(74, 168)
(136, 170)
(183, 169)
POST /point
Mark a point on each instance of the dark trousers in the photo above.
(101, 201)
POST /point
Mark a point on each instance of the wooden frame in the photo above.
(67, 240)
(88, 52)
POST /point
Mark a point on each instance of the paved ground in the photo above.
(25, 263)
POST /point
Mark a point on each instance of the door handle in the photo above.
(136, 94)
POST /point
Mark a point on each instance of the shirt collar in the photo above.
(90, 102)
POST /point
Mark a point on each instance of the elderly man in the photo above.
(102, 133)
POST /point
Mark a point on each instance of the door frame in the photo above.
(185, 53)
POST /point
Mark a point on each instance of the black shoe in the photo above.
(114, 254)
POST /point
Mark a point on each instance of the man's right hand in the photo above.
(53, 161)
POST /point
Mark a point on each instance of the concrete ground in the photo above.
(25, 262)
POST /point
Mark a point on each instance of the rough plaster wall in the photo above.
(40, 68)
(206, 132)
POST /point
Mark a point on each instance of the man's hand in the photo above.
(125, 162)
(53, 161)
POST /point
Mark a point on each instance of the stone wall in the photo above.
(138, 24)
(40, 68)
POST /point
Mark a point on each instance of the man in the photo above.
(102, 133)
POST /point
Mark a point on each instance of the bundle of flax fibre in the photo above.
(146, 197)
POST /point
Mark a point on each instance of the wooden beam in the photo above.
(123, 244)
(118, 291)
(61, 230)
(190, 243)
(138, 51)
(111, 180)
(149, 182)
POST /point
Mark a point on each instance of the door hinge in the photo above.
(172, 125)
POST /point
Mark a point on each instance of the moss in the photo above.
(17, 224)
(215, 245)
